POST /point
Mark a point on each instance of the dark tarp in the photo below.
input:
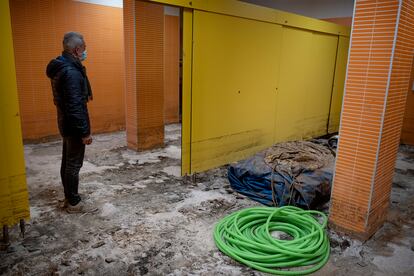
(293, 173)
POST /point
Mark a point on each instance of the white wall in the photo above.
(311, 8)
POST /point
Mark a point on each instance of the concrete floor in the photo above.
(153, 222)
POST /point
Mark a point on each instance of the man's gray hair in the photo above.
(71, 40)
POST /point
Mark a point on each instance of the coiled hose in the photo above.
(246, 236)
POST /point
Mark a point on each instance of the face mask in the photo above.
(84, 55)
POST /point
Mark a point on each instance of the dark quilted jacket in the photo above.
(71, 92)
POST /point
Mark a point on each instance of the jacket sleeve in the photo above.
(56, 96)
(75, 108)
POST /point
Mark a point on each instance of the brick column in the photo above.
(378, 74)
(144, 61)
(407, 134)
(171, 69)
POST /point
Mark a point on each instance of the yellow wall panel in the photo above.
(186, 88)
(235, 69)
(339, 83)
(305, 84)
(319, 78)
(254, 84)
(296, 48)
(14, 204)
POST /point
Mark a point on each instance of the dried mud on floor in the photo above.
(151, 221)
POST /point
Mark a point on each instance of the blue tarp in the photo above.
(257, 179)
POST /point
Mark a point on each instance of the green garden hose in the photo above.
(246, 236)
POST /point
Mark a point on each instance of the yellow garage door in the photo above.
(305, 84)
(253, 83)
(235, 69)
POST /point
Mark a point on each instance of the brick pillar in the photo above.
(378, 74)
(144, 61)
(407, 134)
(171, 69)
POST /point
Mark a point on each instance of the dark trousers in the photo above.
(72, 160)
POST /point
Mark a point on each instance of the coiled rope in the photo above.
(246, 236)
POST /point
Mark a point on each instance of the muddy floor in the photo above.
(151, 221)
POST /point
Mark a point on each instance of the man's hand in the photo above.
(87, 140)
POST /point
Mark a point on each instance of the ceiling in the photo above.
(311, 8)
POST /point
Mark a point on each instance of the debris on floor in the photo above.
(295, 173)
(151, 222)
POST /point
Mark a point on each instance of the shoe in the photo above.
(80, 208)
(64, 202)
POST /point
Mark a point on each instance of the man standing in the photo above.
(71, 92)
